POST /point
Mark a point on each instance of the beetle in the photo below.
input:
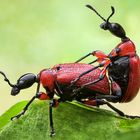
(122, 63)
(86, 83)
(56, 81)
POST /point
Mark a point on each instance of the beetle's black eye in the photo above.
(104, 26)
(15, 91)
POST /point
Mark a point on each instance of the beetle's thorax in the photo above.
(47, 79)
(125, 48)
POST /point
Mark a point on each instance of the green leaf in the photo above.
(71, 121)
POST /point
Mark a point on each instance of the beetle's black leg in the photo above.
(82, 74)
(97, 53)
(101, 58)
(24, 109)
(105, 64)
(132, 117)
(120, 112)
(28, 104)
(110, 98)
(53, 103)
(52, 132)
(83, 57)
(101, 77)
(98, 102)
(93, 61)
(111, 106)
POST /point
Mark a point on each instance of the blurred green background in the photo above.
(37, 34)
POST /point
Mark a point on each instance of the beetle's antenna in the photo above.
(6, 79)
(93, 9)
(113, 11)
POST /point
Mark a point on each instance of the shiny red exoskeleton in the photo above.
(126, 69)
(57, 81)
(122, 64)
(123, 67)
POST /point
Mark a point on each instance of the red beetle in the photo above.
(56, 81)
(122, 63)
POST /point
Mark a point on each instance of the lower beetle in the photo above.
(57, 80)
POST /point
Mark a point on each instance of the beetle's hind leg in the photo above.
(98, 102)
(120, 112)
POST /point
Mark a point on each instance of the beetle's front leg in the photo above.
(24, 109)
(39, 95)
(98, 54)
(52, 104)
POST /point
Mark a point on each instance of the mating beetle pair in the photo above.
(86, 83)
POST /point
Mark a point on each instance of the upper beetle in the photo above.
(122, 63)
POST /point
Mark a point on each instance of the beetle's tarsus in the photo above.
(18, 115)
(52, 133)
(132, 117)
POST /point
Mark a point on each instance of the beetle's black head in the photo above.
(25, 81)
(115, 28)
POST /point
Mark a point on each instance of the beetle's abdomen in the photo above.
(70, 71)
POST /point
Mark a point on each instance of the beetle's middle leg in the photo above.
(101, 58)
(101, 77)
(103, 63)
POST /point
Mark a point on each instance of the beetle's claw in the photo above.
(17, 116)
(13, 118)
(52, 133)
(132, 117)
